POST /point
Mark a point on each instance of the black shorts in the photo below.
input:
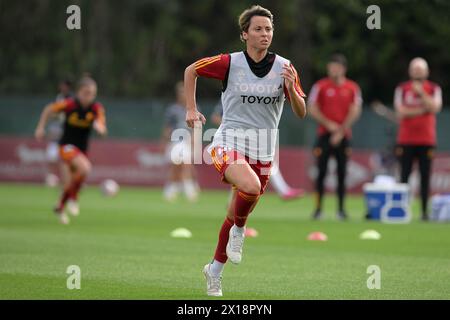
(412, 152)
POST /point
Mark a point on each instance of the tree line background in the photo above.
(139, 48)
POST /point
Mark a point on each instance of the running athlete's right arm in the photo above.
(48, 111)
(190, 82)
(215, 67)
(314, 110)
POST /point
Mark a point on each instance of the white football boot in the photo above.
(73, 207)
(170, 192)
(234, 245)
(62, 216)
(213, 284)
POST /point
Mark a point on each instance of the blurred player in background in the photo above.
(255, 84)
(335, 103)
(276, 178)
(54, 131)
(65, 88)
(417, 102)
(82, 113)
(182, 173)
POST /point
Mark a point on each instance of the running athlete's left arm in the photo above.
(294, 90)
(432, 103)
(48, 111)
(100, 121)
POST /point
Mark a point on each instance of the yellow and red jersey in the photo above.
(78, 121)
(218, 67)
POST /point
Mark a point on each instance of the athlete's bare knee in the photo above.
(67, 184)
(85, 169)
(251, 186)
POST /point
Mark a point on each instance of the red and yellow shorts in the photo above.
(223, 157)
(68, 152)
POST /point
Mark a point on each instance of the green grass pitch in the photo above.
(124, 250)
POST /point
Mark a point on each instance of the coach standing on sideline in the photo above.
(335, 103)
(417, 102)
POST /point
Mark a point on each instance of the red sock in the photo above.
(76, 186)
(72, 191)
(245, 202)
(221, 254)
(64, 197)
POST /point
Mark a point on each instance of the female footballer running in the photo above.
(255, 84)
(82, 113)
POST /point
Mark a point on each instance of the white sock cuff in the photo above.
(216, 267)
(239, 230)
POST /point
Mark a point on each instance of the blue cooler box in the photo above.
(389, 203)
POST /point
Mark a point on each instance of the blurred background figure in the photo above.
(182, 175)
(335, 103)
(54, 130)
(276, 179)
(417, 102)
(65, 90)
(82, 114)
